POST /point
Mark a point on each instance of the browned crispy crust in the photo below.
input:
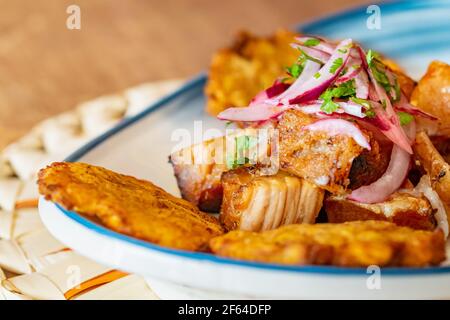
(128, 205)
(442, 145)
(435, 166)
(254, 202)
(403, 209)
(199, 183)
(432, 94)
(351, 244)
(252, 64)
(338, 161)
(199, 167)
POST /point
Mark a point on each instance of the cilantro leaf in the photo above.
(295, 70)
(337, 63)
(405, 118)
(346, 89)
(329, 106)
(311, 42)
(239, 156)
(371, 55)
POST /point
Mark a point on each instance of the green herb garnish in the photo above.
(329, 106)
(239, 157)
(311, 42)
(337, 63)
(405, 118)
(371, 55)
(295, 70)
(344, 90)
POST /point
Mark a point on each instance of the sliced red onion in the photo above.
(315, 85)
(389, 129)
(362, 85)
(353, 109)
(389, 182)
(308, 72)
(350, 108)
(372, 92)
(395, 133)
(258, 112)
(404, 105)
(424, 186)
(392, 81)
(309, 108)
(322, 45)
(354, 67)
(319, 55)
(349, 75)
(335, 127)
(411, 131)
(276, 89)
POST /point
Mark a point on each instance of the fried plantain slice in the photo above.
(350, 244)
(128, 205)
(250, 65)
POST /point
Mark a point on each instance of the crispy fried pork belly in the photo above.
(352, 244)
(254, 202)
(435, 166)
(198, 175)
(432, 94)
(327, 161)
(442, 144)
(252, 64)
(403, 209)
(198, 169)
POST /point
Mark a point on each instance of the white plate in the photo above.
(412, 32)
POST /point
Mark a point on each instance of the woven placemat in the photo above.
(33, 264)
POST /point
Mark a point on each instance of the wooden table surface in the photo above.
(46, 68)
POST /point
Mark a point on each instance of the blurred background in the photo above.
(46, 68)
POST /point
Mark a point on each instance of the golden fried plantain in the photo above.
(255, 202)
(128, 205)
(351, 244)
(403, 209)
(252, 64)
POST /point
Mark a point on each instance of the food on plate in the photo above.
(435, 166)
(345, 123)
(128, 205)
(198, 168)
(432, 94)
(406, 83)
(198, 174)
(327, 159)
(350, 244)
(402, 208)
(330, 166)
(250, 65)
(255, 202)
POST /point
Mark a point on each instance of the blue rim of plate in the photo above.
(196, 83)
